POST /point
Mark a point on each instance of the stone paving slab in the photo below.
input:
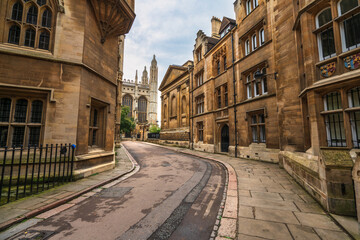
(272, 205)
(22, 209)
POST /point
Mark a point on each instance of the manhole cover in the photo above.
(33, 235)
(114, 192)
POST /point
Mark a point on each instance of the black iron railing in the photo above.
(26, 171)
(153, 135)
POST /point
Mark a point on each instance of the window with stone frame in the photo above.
(198, 53)
(354, 111)
(226, 95)
(350, 24)
(247, 47)
(199, 78)
(33, 20)
(97, 124)
(261, 37)
(254, 42)
(334, 120)
(325, 34)
(142, 110)
(257, 127)
(256, 87)
(200, 126)
(218, 96)
(128, 101)
(21, 121)
(225, 62)
(200, 104)
(218, 67)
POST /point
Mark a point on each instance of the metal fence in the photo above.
(25, 171)
(153, 135)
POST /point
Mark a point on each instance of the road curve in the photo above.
(173, 196)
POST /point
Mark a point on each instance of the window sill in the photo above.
(326, 61)
(352, 109)
(258, 48)
(253, 10)
(349, 52)
(348, 14)
(331, 112)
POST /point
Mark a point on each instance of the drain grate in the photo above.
(32, 235)
(114, 192)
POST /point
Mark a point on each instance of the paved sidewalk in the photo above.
(28, 207)
(272, 205)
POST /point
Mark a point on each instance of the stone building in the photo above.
(142, 99)
(175, 101)
(281, 83)
(59, 75)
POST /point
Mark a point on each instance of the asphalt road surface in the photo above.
(173, 196)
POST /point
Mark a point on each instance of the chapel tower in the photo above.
(153, 91)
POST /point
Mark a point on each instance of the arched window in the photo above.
(173, 106)
(255, 3)
(20, 111)
(29, 38)
(128, 101)
(46, 19)
(142, 108)
(247, 47)
(32, 15)
(183, 105)
(17, 12)
(41, 2)
(261, 37)
(349, 28)
(36, 111)
(5, 106)
(44, 40)
(14, 34)
(254, 42)
(248, 7)
(41, 19)
(326, 37)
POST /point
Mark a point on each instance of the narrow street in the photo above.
(173, 196)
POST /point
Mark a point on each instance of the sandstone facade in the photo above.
(60, 61)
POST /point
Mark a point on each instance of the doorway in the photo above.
(225, 138)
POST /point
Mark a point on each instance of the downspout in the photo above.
(191, 76)
(234, 82)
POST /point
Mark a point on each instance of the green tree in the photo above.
(127, 124)
(154, 129)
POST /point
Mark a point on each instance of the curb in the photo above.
(226, 223)
(135, 168)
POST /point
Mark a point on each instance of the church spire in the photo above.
(145, 78)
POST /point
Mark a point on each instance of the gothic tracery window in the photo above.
(27, 15)
(128, 101)
(142, 109)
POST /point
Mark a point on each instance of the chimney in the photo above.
(215, 27)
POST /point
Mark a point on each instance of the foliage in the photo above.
(154, 129)
(127, 124)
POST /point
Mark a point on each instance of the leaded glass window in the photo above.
(18, 136)
(17, 12)
(44, 41)
(34, 136)
(30, 38)
(41, 2)
(46, 19)
(32, 15)
(3, 135)
(14, 34)
(5, 107)
(142, 110)
(36, 111)
(20, 111)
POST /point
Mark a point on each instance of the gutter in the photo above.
(234, 82)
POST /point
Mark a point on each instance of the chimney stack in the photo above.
(215, 27)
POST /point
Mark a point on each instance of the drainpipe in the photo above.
(234, 82)
(191, 76)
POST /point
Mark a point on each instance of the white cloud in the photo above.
(167, 28)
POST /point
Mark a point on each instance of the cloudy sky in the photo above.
(167, 28)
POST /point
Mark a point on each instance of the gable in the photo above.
(172, 75)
